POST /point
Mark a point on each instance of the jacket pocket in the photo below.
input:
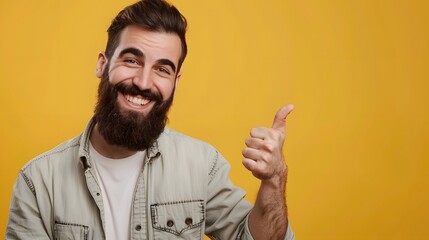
(178, 220)
(68, 231)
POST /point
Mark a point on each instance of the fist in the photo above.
(263, 155)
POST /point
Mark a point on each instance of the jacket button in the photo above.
(170, 223)
(138, 227)
(188, 221)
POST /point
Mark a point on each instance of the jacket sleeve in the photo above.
(227, 210)
(226, 207)
(24, 220)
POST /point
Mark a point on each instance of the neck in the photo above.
(106, 149)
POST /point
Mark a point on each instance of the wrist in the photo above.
(277, 181)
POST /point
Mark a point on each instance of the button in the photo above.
(188, 221)
(98, 194)
(170, 223)
(138, 227)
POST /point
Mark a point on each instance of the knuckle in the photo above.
(265, 157)
(269, 147)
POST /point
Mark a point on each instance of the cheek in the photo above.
(165, 87)
(121, 74)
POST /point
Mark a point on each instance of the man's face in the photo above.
(137, 87)
(146, 59)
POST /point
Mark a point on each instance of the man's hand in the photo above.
(263, 155)
(264, 158)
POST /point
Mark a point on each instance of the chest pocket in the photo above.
(65, 231)
(178, 220)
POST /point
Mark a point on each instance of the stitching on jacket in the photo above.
(177, 202)
(154, 214)
(212, 170)
(28, 182)
(70, 224)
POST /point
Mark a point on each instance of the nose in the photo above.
(143, 79)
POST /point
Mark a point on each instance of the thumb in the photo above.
(279, 122)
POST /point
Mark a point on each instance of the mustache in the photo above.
(135, 91)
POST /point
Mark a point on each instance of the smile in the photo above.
(137, 100)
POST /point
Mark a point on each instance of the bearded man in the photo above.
(127, 176)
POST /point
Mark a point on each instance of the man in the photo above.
(127, 176)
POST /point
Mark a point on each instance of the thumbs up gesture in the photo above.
(263, 155)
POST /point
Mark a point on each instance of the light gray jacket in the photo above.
(183, 192)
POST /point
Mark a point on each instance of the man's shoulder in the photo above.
(173, 138)
(176, 136)
(66, 150)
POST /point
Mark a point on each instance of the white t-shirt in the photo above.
(117, 178)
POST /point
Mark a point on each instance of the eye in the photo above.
(132, 61)
(163, 70)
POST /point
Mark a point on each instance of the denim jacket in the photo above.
(182, 192)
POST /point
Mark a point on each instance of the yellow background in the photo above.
(357, 72)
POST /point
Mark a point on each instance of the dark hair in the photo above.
(151, 15)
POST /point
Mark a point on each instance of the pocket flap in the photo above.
(177, 217)
(67, 231)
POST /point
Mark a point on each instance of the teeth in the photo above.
(135, 100)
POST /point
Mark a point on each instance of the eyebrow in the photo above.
(133, 51)
(165, 61)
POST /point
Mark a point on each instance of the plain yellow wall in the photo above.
(357, 72)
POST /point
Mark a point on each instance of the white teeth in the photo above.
(135, 100)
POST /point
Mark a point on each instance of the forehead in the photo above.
(155, 45)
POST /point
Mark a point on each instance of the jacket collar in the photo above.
(152, 152)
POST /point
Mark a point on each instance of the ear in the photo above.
(101, 64)
(176, 81)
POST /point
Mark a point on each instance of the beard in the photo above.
(133, 130)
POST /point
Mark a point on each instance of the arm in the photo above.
(24, 220)
(264, 158)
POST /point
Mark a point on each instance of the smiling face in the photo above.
(137, 87)
(149, 61)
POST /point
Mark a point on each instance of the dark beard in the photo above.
(125, 128)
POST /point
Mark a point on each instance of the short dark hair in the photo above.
(151, 15)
